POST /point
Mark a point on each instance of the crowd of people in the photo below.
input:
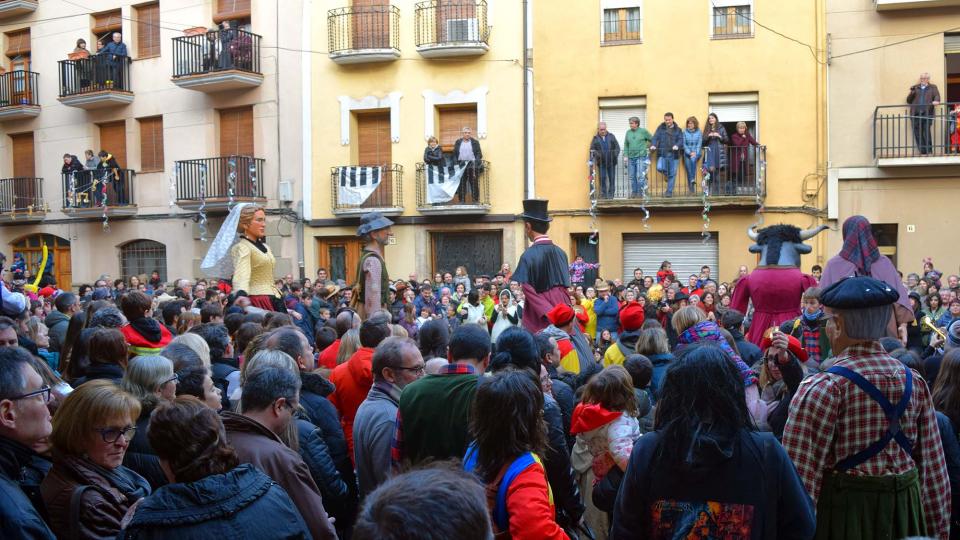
(141, 409)
(88, 180)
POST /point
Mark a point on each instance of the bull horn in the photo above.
(810, 233)
(752, 233)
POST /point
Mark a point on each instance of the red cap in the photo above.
(47, 292)
(793, 345)
(631, 317)
(560, 315)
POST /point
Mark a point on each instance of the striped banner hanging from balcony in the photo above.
(444, 181)
(358, 183)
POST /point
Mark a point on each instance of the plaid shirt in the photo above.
(831, 418)
(396, 444)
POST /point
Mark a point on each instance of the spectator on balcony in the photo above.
(740, 143)
(227, 35)
(668, 141)
(211, 49)
(470, 155)
(715, 141)
(923, 97)
(109, 172)
(73, 166)
(636, 143)
(81, 48)
(433, 154)
(692, 144)
(90, 161)
(71, 163)
(604, 151)
(115, 54)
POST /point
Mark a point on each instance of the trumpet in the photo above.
(927, 322)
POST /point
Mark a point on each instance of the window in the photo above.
(621, 21)
(18, 50)
(232, 10)
(148, 30)
(104, 25)
(452, 122)
(113, 140)
(480, 251)
(151, 144)
(731, 19)
(141, 257)
(236, 132)
(23, 158)
(886, 236)
(733, 108)
(616, 112)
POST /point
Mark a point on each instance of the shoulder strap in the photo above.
(893, 414)
(75, 500)
(470, 458)
(500, 516)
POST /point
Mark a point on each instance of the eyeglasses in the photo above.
(44, 392)
(419, 370)
(175, 379)
(112, 435)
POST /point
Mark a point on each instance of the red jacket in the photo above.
(530, 507)
(353, 380)
(328, 356)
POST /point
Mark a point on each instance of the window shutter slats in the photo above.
(148, 30)
(151, 144)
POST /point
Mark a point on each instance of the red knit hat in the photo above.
(560, 315)
(631, 317)
(47, 292)
(793, 345)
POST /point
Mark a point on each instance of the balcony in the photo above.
(904, 135)
(21, 199)
(217, 183)
(732, 186)
(99, 192)
(446, 28)
(14, 8)
(363, 34)
(358, 190)
(891, 5)
(19, 95)
(217, 61)
(95, 82)
(468, 193)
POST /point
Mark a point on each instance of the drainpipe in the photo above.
(528, 100)
(306, 128)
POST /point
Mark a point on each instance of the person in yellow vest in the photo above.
(631, 321)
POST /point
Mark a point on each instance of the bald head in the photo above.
(345, 321)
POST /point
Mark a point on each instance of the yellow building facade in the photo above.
(391, 77)
(611, 60)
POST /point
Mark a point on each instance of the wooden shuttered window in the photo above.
(373, 136)
(231, 10)
(151, 144)
(113, 140)
(236, 132)
(106, 22)
(24, 165)
(452, 121)
(148, 30)
(18, 43)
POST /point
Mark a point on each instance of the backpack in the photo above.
(500, 517)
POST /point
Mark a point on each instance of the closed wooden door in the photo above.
(340, 256)
(62, 270)
(24, 170)
(113, 140)
(371, 24)
(375, 150)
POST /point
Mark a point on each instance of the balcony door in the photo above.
(236, 139)
(340, 256)
(452, 122)
(375, 150)
(457, 21)
(371, 24)
(24, 170)
(18, 55)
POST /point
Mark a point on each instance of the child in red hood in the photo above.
(144, 335)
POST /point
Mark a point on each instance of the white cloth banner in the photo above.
(443, 182)
(357, 184)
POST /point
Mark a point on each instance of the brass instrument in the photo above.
(929, 324)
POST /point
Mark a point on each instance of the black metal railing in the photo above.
(435, 190)
(350, 186)
(905, 131)
(621, 25)
(733, 21)
(363, 27)
(219, 50)
(93, 189)
(446, 22)
(21, 194)
(19, 88)
(97, 73)
(736, 171)
(214, 178)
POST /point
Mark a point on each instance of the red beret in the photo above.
(793, 345)
(47, 292)
(631, 317)
(560, 315)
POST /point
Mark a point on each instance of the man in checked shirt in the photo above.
(863, 434)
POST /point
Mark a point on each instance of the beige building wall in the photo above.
(917, 197)
(190, 131)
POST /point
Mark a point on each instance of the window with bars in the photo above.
(732, 21)
(141, 257)
(621, 25)
(151, 144)
(148, 30)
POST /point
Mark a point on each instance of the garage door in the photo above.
(685, 251)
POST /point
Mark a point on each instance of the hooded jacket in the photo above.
(57, 324)
(353, 380)
(218, 506)
(146, 336)
(609, 436)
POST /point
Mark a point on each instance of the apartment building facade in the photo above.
(193, 116)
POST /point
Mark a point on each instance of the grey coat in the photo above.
(373, 429)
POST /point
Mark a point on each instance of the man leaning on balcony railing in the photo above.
(470, 155)
(923, 97)
(115, 54)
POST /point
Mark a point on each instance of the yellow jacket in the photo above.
(253, 269)
(591, 328)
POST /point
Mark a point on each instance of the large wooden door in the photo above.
(340, 256)
(113, 140)
(374, 145)
(24, 170)
(58, 253)
(371, 24)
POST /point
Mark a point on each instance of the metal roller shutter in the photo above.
(618, 119)
(951, 43)
(685, 251)
(735, 112)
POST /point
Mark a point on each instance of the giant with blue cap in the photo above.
(372, 286)
(373, 221)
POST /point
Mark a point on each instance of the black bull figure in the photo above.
(782, 245)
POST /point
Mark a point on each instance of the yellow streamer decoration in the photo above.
(34, 287)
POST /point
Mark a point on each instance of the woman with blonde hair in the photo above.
(349, 344)
(151, 380)
(198, 344)
(91, 432)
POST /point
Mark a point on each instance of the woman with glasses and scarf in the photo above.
(152, 381)
(88, 490)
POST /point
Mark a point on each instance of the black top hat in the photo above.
(535, 210)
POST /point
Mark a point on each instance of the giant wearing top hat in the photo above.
(543, 268)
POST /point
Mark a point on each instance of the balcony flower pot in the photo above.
(195, 31)
(108, 84)
(80, 55)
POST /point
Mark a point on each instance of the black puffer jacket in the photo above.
(315, 453)
(140, 457)
(21, 515)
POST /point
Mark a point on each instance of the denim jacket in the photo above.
(692, 142)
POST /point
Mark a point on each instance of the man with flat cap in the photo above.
(373, 285)
(543, 270)
(863, 434)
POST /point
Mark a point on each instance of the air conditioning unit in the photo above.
(463, 30)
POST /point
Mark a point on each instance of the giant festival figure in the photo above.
(543, 270)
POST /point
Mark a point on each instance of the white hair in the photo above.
(866, 323)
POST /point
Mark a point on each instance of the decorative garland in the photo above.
(595, 234)
(644, 193)
(231, 181)
(72, 190)
(203, 203)
(705, 183)
(172, 188)
(253, 176)
(106, 219)
(761, 178)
